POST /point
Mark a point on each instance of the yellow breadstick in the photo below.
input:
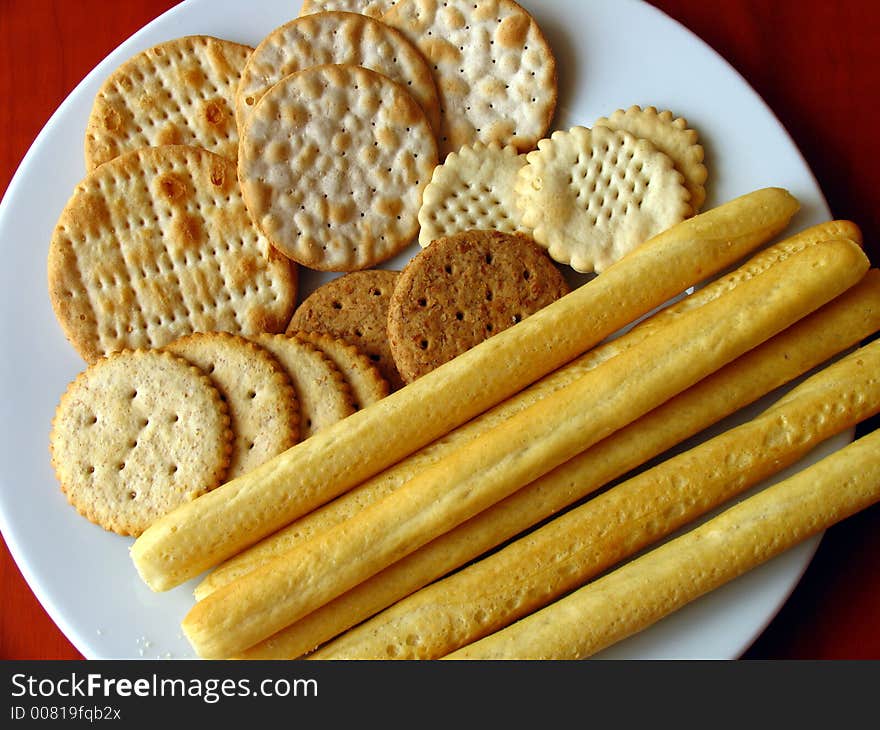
(521, 449)
(641, 592)
(384, 483)
(840, 324)
(565, 553)
(221, 523)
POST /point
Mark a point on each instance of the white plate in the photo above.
(611, 55)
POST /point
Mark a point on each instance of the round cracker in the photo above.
(178, 92)
(157, 244)
(461, 290)
(262, 402)
(672, 136)
(137, 434)
(495, 70)
(354, 308)
(324, 395)
(340, 38)
(332, 163)
(592, 196)
(372, 8)
(472, 190)
(366, 382)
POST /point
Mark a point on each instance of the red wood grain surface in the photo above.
(814, 62)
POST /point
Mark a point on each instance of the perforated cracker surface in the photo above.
(332, 163)
(472, 189)
(178, 92)
(157, 244)
(592, 196)
(336, 37)
(495, 71)
(373, 8)
(135, 435)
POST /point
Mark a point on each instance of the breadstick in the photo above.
(202, 533)
(565, 553)
(521, 449)
(840, 324)
(641, 592)
(387, 481)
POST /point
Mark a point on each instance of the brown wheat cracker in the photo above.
(262, 402)
(366, 382)
(495, 71)
(323, 393)
(332, 164)
(354, 308)
(157, 244)
(472, 189)
(461, 290)
(341, 38)
(591, 196)
(177, 92)
(373, 8)
(672, 136)
(135, 435)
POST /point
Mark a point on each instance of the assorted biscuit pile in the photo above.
(216, 173)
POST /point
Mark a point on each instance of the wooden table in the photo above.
(814, 62)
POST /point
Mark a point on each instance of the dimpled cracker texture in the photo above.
(472, 190)
(332, 164)
(157, 244)
(592, 196)
(178, 92)
(672, 136)
(373, 8)
(495, 71)
(135, 435)
(336, 37)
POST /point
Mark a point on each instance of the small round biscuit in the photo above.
(262, 402)
(324, 395)
(137, 434)
(592, 196)
(336, 37)
(367, 383)
(332, 163)
(354, 308)
(461, 290)
(472, 189)
(672, 136)
(178, 92)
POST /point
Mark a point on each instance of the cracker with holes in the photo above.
(372, 8)
(495, 71)
(178, 92)
(332, 164)
(672, 136)
(354, 308)
(262, 402)
(363, 377)
(341, 38)
(461, 290)
(472, 189)
(592, 196)
(157, 244)
(323, 394)
(137, 434)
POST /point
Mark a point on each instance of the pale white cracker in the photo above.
(336, 37)
(672, 136)
(592, 196)
(332, 164)
(178, 92)
(262, 402)
(373, 8)
(495, 70)
(156, 244)
(472, 189)
(137, 434)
